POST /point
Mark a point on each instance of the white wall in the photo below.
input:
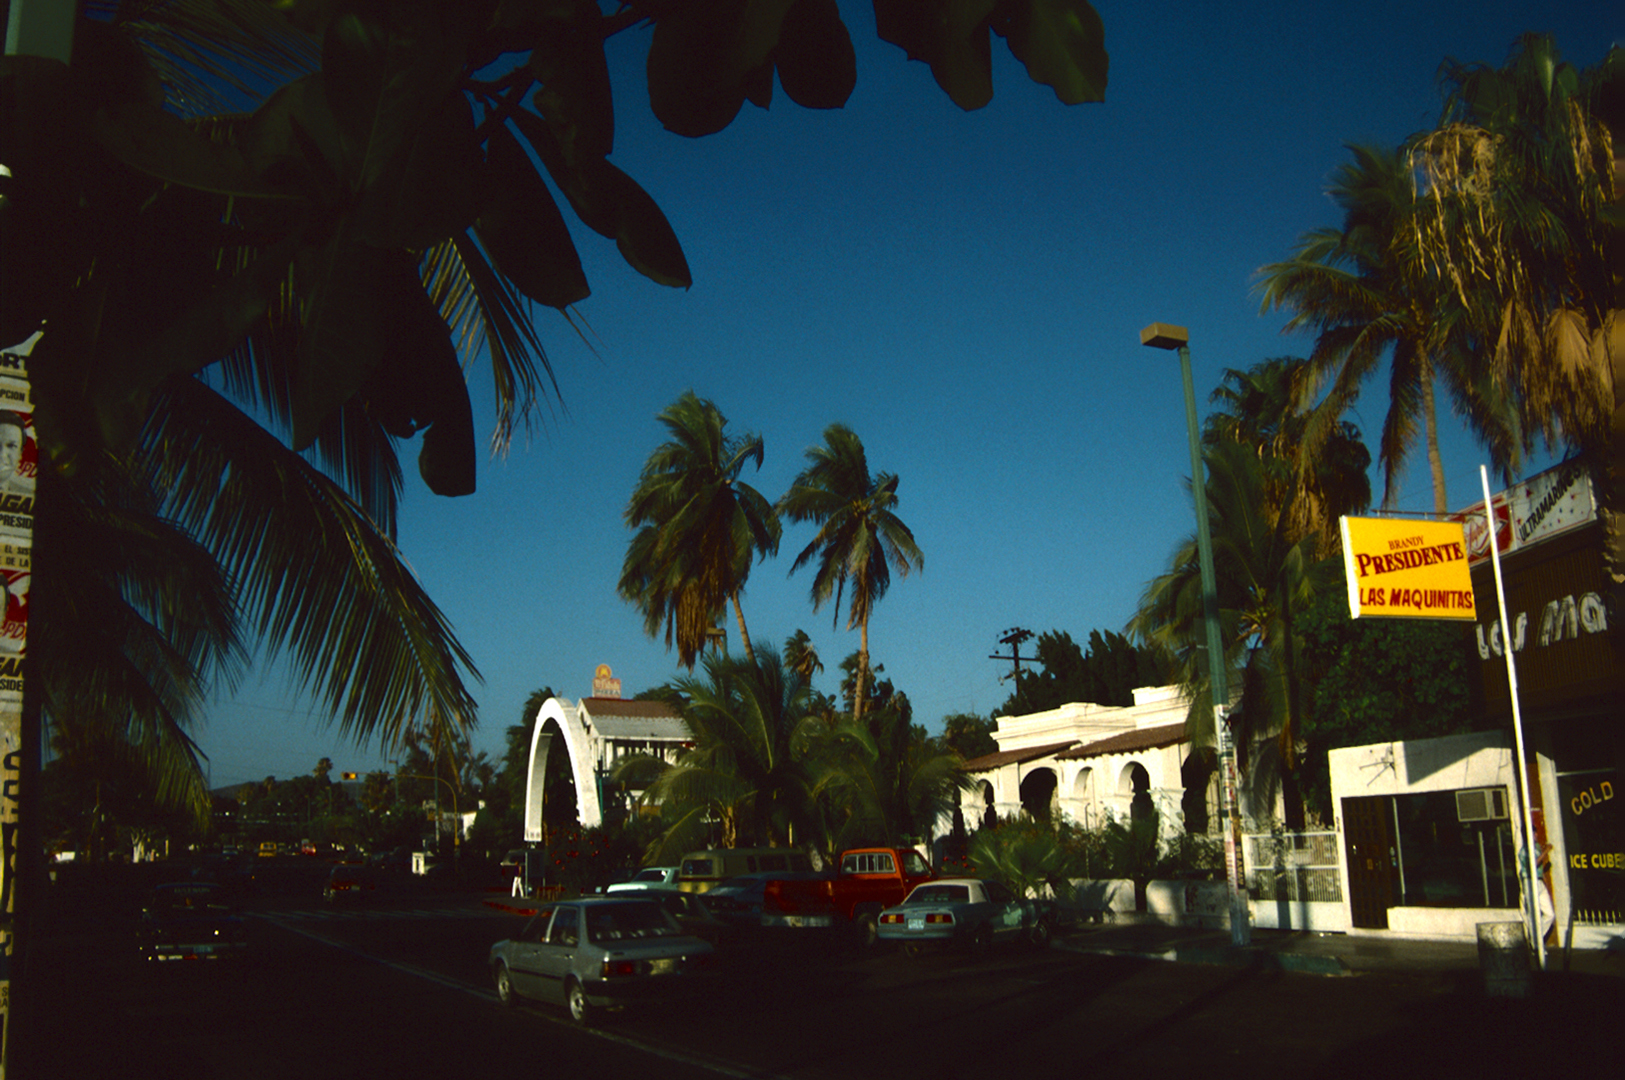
(1475, 760)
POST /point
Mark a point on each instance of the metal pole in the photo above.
(1531, 863)
(1240, 916)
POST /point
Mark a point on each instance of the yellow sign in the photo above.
(1401, 569)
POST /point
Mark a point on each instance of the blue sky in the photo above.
(965, 291)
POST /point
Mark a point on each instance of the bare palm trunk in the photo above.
(1430, 417)
(863, 669)
(744, 635)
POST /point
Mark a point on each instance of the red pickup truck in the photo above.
(869, 879)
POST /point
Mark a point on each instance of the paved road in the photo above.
(397, 989)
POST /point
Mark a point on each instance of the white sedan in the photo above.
(966, 911)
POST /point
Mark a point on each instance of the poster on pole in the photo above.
(18, 466)
(1404, 569)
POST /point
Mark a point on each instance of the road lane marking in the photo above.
(680, 1057)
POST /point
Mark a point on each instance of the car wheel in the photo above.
(867, 925)
(505, 992)
(1040, 933)
(581, 1010)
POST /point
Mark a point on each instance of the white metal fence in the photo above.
(1295, 866)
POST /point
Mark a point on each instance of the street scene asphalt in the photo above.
(397, 988)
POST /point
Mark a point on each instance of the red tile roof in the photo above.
(1128, 742)
(989, 762)
(604, 706)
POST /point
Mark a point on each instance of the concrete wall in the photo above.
(1207, 904)
(1427, 922)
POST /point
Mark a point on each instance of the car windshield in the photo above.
(649, 875)
(628, 922)
(939, 894)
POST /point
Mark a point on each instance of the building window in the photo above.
(1455, 849)
(1595, 845)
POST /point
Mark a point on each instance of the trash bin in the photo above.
(1503, 956)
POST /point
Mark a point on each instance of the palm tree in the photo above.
(134, 620)
(1264, 574)
(1524, 176)
(699, 528)
(742, 772)
(879, 779)
(860, 538)
(1368, 293)
(1259, 408)
(801, 655)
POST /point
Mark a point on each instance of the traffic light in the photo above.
(349, 776)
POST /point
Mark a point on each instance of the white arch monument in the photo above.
(596, 732)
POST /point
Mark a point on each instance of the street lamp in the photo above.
(1164, 336)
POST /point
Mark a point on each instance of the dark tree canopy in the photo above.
(1106, 675)
(1377, 680)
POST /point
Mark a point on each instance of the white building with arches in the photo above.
(1093, 763)
(595, 733)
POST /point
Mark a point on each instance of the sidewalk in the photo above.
(1309, 953)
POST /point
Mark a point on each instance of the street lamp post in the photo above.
(1164, 336)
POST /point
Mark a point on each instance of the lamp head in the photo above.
(1164, 336)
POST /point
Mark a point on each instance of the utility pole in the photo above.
(1013, 637)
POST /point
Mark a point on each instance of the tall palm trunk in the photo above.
(863, 669)
(1430, 417)
(744, 635)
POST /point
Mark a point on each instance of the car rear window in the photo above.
(627, 922)
(868, 862)
(939, 894)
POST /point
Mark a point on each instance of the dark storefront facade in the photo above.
(1571, 682)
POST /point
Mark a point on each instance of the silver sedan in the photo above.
(599, 953)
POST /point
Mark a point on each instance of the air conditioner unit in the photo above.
(1481, 804)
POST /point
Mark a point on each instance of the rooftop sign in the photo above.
(604, 683)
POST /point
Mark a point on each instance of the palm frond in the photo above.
(318, 578)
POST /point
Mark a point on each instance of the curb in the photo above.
(1227, 956)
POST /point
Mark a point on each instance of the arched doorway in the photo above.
(1083, 797)
(1196, 777)
(1038, 793)
(1134, 787)
(990, 815)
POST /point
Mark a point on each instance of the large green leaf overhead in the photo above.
(324, 211)
(1062, 43)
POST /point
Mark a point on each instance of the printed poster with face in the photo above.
(19, 454)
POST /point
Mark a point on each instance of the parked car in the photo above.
(867, 881)
(965, 911)
(650, 877)
(190, 920)
(603, 952)
(348, 881)
(704, 870)
(692, 914)
(739, 899)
